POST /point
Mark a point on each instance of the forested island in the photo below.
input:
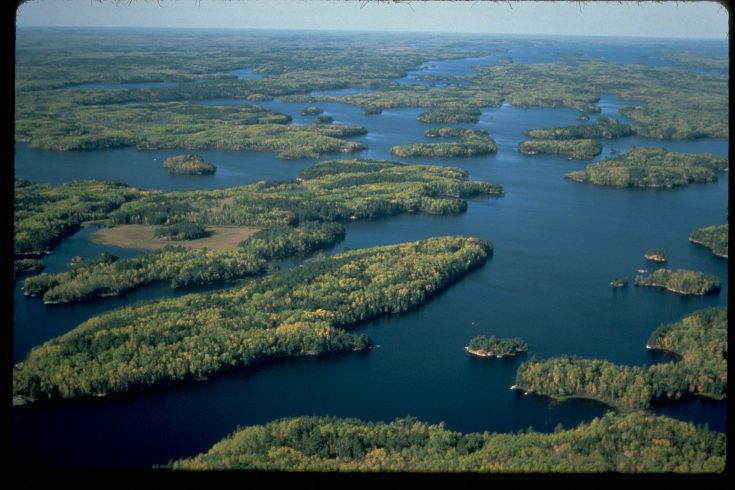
(451, 115)
(624, 443)
(652, 167)
(604, 128)
(700, 339)
(656, 255)
(496, 347)
(580, 149)
(295, 218)
(473, 142)
(300, 311)
(681, 281)
(312, 111)
(188, 165)
(713, 237)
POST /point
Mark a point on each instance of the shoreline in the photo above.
(482, 353)
(678, 291)
(708, 248)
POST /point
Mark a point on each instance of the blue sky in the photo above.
(699, 20)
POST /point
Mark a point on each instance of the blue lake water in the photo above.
(557, 246)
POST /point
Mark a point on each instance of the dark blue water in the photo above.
(557, 246)
(145, 168)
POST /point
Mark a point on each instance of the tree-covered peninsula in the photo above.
(300, 311)
(473, 142)
(581, 149)
(652, 167)
(296, 218)
(24, 266)
(681, 281)
(496, 347)
(159, 125)
(700, 339)
(188, 165)
(713, 237)
(43, 214)
(625, 443)
(604, 128)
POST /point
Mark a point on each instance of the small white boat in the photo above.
(642, 271)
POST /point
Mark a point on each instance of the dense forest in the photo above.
(24, 266)
(674, 104)
(714, 237)
(328, 191)
(108, 276)
(181, 231)
(188, 165)
(496, 347)
(180, 266)
(73, 96)
(54, 110)
(699, 60)
(681, 281)
(625, 443)
(451, 114)
(583, 149)
(300, 311)
(473, 142)
(297, 217)
(604, 128)
(43, 215)
(652, 167)
(700, 339)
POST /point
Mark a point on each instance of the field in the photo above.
(142, 237)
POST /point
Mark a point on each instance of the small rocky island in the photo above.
(324, 119)
(496, 347)
(682, 281)
(656, 255)
(312, 111)
(188, 165)
(619, 282)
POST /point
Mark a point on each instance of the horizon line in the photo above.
(374, 31)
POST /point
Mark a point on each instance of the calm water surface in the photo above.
(557, 246)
